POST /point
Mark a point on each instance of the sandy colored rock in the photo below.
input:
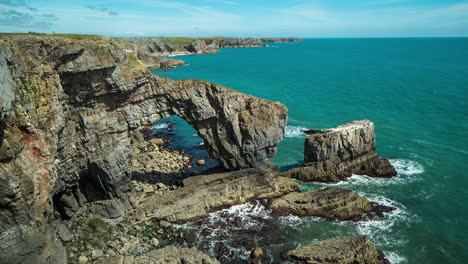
(204, 193)
(330, 203)
(343, 250)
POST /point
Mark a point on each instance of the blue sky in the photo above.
(243, 18)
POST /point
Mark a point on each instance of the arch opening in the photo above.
(169, 151)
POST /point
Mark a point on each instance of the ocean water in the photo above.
(416, 93)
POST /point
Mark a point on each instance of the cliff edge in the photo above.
(68, 108)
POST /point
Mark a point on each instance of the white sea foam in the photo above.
(407, 167)
(295, 131)
(176, 54)
(394, 258)
(291, 220)
(160, 126)
(385, 232)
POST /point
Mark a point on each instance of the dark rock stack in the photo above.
(334, 154)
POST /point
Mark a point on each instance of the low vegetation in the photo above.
(68, 36)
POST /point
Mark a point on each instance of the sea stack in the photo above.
(334, 154)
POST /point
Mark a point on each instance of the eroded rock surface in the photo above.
(334, 154)
(330, 203)
(343, 250)
(203, 194)
(68, 108)
(166, 255)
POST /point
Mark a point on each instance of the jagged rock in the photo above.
(334, 154)
(343, 250)
(67, 139)
(204, 193)
(330, 203)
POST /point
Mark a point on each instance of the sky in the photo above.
(239, 18)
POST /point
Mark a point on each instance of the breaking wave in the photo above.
(294, 131)
(407, 167)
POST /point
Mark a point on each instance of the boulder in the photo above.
(334, 154)
(343, 250)
(257, 253)
(191, 237)
(64, 234)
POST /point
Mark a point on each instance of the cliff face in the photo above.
(332, 155)
(151, 51)
(67, 112)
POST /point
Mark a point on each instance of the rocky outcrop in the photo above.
(343, 250)
(331, 203)
(168, 46)
(203, 194)
(236, 43)
(68, 109)
(334, 154)
(151, 51)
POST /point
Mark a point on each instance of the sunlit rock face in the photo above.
(334, 154)
(68, 108)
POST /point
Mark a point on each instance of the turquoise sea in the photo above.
(415, 90)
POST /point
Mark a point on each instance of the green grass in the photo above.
(133, 60)
(209, 40)
(180, 41)
(69, 36)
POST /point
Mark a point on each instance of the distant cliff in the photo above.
(279, 40)
(151, 51)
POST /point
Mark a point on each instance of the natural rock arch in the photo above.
(67, 116)
(239, 130)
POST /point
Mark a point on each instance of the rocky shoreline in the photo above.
(82, 181)
(152, 52)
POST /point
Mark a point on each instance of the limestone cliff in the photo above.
(334, 154)
(68, 109)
